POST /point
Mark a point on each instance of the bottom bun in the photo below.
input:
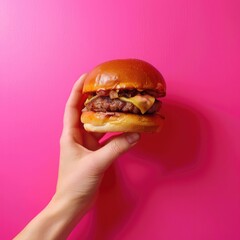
(121, 122)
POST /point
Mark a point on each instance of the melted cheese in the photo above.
(90, 99)
(143, 102)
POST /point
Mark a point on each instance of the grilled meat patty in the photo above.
(106, 104)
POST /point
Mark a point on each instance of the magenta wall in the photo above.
(181, 184)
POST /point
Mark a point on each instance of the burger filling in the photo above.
(127, 101)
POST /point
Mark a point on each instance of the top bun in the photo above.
(124, 74)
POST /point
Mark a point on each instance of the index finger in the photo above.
(72, 112)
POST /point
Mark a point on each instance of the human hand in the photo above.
(83, 160)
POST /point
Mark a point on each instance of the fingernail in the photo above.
(132, 137)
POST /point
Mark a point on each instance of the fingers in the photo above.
(114, 148)
(72, 112)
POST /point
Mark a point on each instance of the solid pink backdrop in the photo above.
(183, 183)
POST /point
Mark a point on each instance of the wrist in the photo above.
(64, 215)
(55, 221)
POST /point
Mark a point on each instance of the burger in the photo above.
(123, 96)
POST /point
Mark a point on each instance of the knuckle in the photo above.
(65, 139)
(62, 141)
(115, 147)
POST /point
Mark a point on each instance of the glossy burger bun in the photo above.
(123, 74)
(121, 122)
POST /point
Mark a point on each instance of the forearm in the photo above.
(56, 221)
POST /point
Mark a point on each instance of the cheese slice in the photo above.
(143, 102)
(90, 99)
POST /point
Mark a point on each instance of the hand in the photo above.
(83, 162)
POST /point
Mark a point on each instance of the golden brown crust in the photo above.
(124, 74)
(121, 122)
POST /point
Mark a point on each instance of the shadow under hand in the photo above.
(113, 207)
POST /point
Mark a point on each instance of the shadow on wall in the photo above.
(113, 207)
(178, 148)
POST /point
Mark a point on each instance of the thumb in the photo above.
(114, 148)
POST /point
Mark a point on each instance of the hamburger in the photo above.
(123, 96)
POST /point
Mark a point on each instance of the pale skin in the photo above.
(83, 161)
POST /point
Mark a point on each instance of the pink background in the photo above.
(183, 183)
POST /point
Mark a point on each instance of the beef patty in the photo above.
(106, 104)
